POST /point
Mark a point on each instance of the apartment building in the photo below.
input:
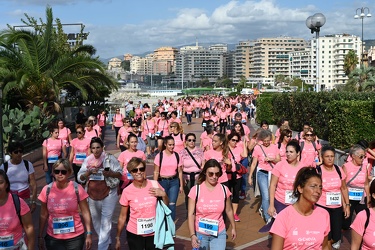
(164, 60)
(241, 65)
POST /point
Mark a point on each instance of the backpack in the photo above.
(17, 206)
(366, 223)
(303, 144)
(50, 186)
(319, 170)
(26, 163)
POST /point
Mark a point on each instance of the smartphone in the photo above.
(106, 169)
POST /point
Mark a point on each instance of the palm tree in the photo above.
(350, 62)
(362, 79)
(34, 69)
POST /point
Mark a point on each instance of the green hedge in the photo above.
(317, 109)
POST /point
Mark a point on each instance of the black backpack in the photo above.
(26, 163)
(319, 170)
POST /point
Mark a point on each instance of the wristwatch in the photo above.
(32, 202)
(348, 204)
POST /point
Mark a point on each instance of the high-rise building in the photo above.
(164, 60)
(242, 59)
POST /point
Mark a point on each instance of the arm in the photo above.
(63, 148)
(42, 223)
(229, 212)
(191, 223)
(272, 190)
(118, 140)
(27, 223)
(325, 245)
(356, 241)
(70, 137)
(252, 168)
(156, 172)
(244, 152)
(71, 156)
(83, 205)
(33, 192)
(120, 225)
(180, 177)
(277, 242)
(45, 166)
(345, 199)
(367, 188)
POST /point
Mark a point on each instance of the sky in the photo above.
(118, 27)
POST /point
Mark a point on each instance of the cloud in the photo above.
(50, 2)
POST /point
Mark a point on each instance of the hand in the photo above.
(181, 189)
(118, 244)
(195, 243)
(157, 192)
(32, 207)
(346, 211)
(107, 173)
(41, 243)
(250, 180)
(88, 241)
(234, 234)
(271, 211)
(45, 168)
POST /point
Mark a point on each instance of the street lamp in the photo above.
(314, 23)
(362, 16)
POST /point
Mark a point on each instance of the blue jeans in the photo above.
(244, 178)
(49, 173)
(188, 118)
(262, 179)
(172, 188)
(212, 242)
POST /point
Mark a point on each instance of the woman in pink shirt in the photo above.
(11, 224)
(64, 134)
(335, 197)
(80, 150)
(178, 136)
(102, 122)
(91, 132)
(238, 151)
(281, 186)
(162, 129)
(174, 118)
(149, 126)
(206, 138)
(123, 134)
(266, 155)
(60, 202)
(357, 182)
(138, 115)
(117, 121)
(53, 148)
(207, 202)
(302, 225)
(125, 157)
(310, 149)
(168, 171)
(363, 226)
(140, 228)
(189, 112)
(223, 119)
(284, 137)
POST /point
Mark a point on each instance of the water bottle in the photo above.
(199, 240)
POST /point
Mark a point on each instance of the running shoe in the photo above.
(336, 245)
(261, 212)
(236, 218)
(242, 195)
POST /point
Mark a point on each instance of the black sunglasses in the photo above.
(18, 151)
(135, 170)
(58, 171)
(79, 132)
(191, 140)
(134, 126)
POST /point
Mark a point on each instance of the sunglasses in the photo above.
(135, 170)
(117, 110)
(17, 151)
(309, 134)
(127, 121)
(79, 132)
(289, 136)
(134, 126)
(191, 140)
(361, 156)
(234, 140)
(58, 171)
(210, 174)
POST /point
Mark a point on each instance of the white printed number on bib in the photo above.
(289, 197)
(6, 242)
(63, 225)
(208, 226)
(355, 194)
(333, 198)
(145, 226)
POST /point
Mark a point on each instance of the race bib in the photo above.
(97, 177)
(145, 226)
(333, 198)
(158, 133)
(80, 156)
(289, 197)
(208, 226)
(355, 194)
(53, 158)
(6, 242)
(63, 225)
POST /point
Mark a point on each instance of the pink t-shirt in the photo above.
(246, 129)
(217, 155)
(163, 125)
(142, 205)
(302, 232)
(91, 134)
(271, 151)
(282, 151)
(210, 204)
(80, 149)
(286, 174)
(358, 226)
(62, 203)
(54, 147)
(168, 165)
(309, 154)
(188, 164)
(358, 182)
(237, 151)
(124, 158)
(189, 109)
(178, 120)
(117, 120)
(63, 135)
(101, 120)
(10, 223)
(149, 126)
(123, 133)
(179, 144)
(331, 186)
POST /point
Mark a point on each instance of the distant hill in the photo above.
(369, 43)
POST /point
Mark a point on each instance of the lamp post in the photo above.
(362, 16)
(314, 23)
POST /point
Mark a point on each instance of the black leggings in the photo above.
(355, 206)
(336, 219)
(223, 126)
(138, 242)
(235, 186)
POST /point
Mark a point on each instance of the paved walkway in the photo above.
(247, 229)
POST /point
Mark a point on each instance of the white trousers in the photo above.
(101, 214)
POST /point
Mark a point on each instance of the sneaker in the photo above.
(269, 220)
(236, 218)
(242, 195)
(336, 245)
(261, 212)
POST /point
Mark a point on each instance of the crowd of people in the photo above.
(304, 195)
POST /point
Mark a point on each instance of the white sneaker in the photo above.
(336, 245)
(261, 212)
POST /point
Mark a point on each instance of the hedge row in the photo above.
(341, 118)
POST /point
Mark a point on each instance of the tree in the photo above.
(125, 65)
(361, 79)
(35, 66)
(350, 62)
